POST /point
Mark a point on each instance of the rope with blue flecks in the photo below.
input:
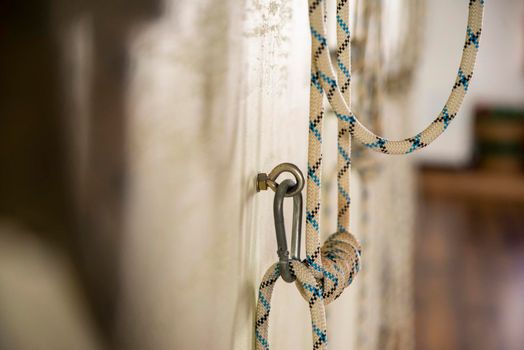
(327, 271)
(326, 79)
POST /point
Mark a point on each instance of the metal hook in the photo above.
(269, 180)
(280, 230)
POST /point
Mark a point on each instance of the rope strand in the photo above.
(328, 270)
(377, 143)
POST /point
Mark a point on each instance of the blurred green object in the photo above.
(499, 138)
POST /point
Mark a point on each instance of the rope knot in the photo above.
(340, 256)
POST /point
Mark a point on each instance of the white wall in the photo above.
(214, 92)
(218, 92)
(499, 75)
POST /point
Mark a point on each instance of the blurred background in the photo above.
(130, 135)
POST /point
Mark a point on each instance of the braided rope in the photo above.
(328, 270)
(326, 78)
(343, 59)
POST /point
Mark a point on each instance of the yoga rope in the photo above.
(328, 270)
(325, 78)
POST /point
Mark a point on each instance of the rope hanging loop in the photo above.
(339, 256)
(280, 230)
(325, 80)
(329, 268)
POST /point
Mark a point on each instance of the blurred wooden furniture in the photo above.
(473, 185)
(499, 138)
(469, 254)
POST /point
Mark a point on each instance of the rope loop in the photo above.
(328, 269)
(312, 291)
(324, 78)
(341, 254)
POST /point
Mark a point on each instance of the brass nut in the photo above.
(261, 182)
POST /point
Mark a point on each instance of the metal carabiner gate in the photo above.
(280, 229)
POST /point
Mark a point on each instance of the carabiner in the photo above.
(280, 229)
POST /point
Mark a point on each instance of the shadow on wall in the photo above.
(37, 153)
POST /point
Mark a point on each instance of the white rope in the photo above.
(327, 271)
(326, 78)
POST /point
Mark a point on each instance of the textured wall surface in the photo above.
(218, 92)
(173, 109)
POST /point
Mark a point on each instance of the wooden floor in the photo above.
(469, 273)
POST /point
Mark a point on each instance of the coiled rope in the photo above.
(327, 271)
